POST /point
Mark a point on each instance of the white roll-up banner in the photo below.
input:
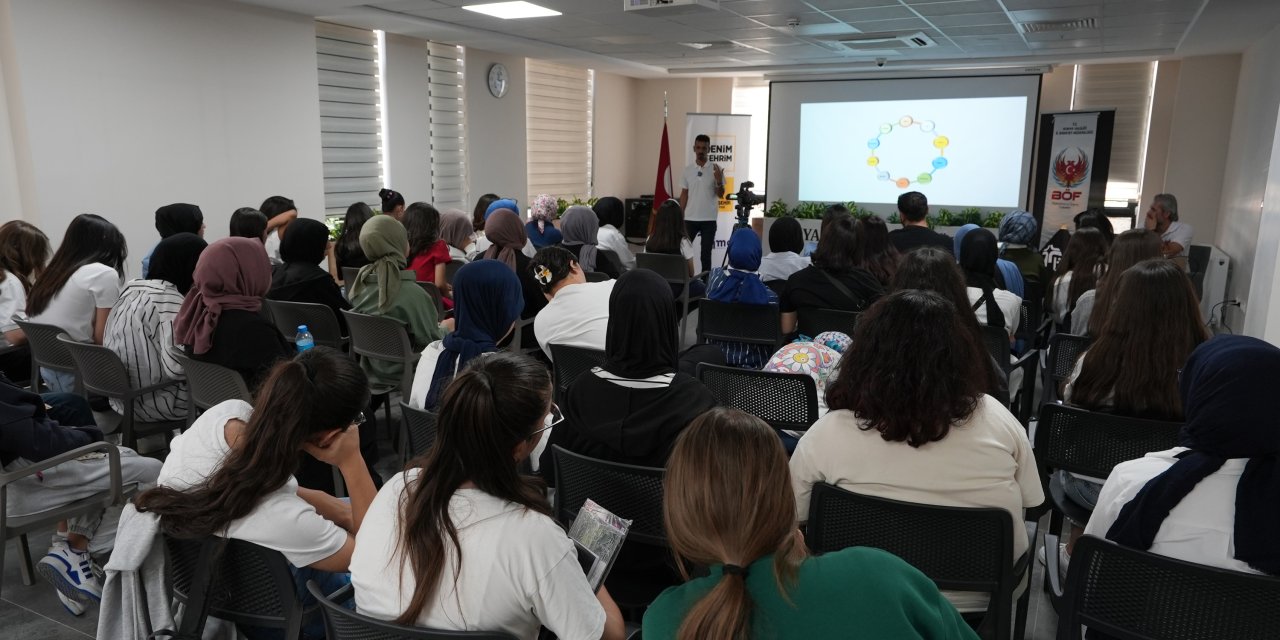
(730, 148)
(1070, 168)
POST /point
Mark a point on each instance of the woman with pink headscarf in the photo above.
(541, 227)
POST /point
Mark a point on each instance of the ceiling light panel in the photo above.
(512, 10)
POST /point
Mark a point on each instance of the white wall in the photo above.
(496, 142)
(120, 107)
(10, 192)
(408, 141)
(614, 137)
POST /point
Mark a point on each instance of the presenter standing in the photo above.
(701, 188)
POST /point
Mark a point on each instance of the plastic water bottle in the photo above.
(304, 340)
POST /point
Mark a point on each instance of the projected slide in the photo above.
(954, 150)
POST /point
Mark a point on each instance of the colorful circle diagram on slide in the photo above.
(934, 141)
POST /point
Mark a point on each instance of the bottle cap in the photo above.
(302, 328)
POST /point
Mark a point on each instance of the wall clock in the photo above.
(499, 80)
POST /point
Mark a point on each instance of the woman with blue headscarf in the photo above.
(483, 242)
(1213, 499)
(487, 302)
(740, 283)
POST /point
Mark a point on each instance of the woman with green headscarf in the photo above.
(380, 289)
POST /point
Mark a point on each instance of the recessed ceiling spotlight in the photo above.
(512, 10)
(697, 45)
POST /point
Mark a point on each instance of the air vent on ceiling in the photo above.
(670, 7)
(1081, 24)
(873, 42)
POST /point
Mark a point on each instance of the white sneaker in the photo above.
(1064, 558)
(72, 574)
(72, 607)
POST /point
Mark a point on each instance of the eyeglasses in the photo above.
(358, 420)
(554, 417)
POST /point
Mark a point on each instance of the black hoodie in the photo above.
(302, 282)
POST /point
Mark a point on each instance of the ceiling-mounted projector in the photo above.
(670, 7)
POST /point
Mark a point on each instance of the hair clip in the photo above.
(542, 274)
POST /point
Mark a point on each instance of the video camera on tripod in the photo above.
(745, 199)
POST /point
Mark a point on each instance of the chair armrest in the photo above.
(632, 631)
(1055, 572)
(1024, 359)
(156, 387)
(113, 459)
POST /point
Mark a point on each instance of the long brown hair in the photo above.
(24, 250)
(1129, 248)
(728, 500)
(89, 239)
(668, 229)
(318, 390)
(489, 409)
(879, 256)
(1132, 367)
(1084, 260)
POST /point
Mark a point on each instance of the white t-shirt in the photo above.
(282, 521)
(519, 570)
(985, 461)
(780, 265)
(424, 374)
(93, 286)
(613, 240)
(578, 316)
(1199, 529)
(1010, 305)
(702, 204)
(686, 249)
(1180, 233)
(13, 302)
(272, 245)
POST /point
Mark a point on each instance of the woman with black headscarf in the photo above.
(171, 219)
(609, 212)
(993, 305)
(1213, 499)
(631, 409)
(140, 327)
(300, 278)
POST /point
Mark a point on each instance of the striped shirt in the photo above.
(140, 331)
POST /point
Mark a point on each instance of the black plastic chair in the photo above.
(596, 276)
(812, 321)
(451, 269)
(1136, 595)
(384, 338)
(571, 362)
(784, 400)
(436, 297)
(745, 323)
(319, 318)
(959, 548)
(675, 270)
(209, 384)
(1064, 350)
(420, 429)
(341, 623)
(628, 491)
(47, 352)
(517, 343)
(103, 373)
(245, 584)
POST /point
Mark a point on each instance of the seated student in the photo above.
(482, 207)
(1083, 260)
(384, 288)
(938, 440)
(392, 204)
(24, 250)
(740, 284)
(1007, 276)
(461, 541)
(488, 304)
(483, 242)
(817, 358)
(140, 328)
(231, 473)
(993, 305)
(932, 269)
(280, 212)
(175, 218)
(762, 582)
(913, 209)
(786, 243)
(1211, 500)
(1018, 234)
(833, 281)
(456, 231)
(612, 220)
(580, 227)
(80, 285)
(248, 222)
(878, 255)
(577, 311)
(1130, 248)
(300, 278)
(506, 237)
(631, 409)
(347, 251)
(35, 428)
(428, 254)
(1132, 367)
(541, 227)
(1096, 219)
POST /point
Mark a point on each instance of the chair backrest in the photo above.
(421, 428)
(596, 276)
(571, 362)
(379, 337)
(452, 268)
(1092, 443)
(210, 384)
(349, 276)
(747, 323)
(100, 369)
(784, 400)
(46, 351)
(434, 293)
(959, 548)
(250, 584)
(996, 342)
(1064, 350)
(341, 623)
(319, 318)
(628, 491)
(673, 268)
(812, 321)
(1137, 595)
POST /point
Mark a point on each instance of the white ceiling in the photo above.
(753, 37)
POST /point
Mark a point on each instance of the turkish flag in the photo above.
(662, 190)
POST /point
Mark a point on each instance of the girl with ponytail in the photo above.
(729, 505)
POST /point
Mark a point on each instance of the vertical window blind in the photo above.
(445, 71)
(558, 114)
(350, 128)
(751, 97)
(1127, 87)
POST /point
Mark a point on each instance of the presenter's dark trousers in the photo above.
(708, 231)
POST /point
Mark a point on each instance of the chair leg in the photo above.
(28, 571)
